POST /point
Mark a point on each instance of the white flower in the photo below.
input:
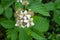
(25, 12)
(32, 23)
(17, 21)
(21, 16)
(28, 16)
(16, 25)
(31, 19)
(28, 25)
(21, 20)
(25, 18)
(19, 1)
(26, 21)
(22, 26)
(21, 12)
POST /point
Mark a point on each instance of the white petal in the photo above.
(16, 24)
(21, 20)
(25, 17)
(21, 16)
(28, 16)
(32, 24)
(31, 19)
(28, 24)
(21, 12)
(21, 1)
(17, 21)
(22, 26)
(25, 12)
(25, 21)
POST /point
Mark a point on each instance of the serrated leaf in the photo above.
(7, 3)
(12, 34)
(23, 35)
(1, 10)
(18, 5)
(8, 13)
(57, 16)
(8, 24)
(57, 4)
(41, 24)
(38, 8)
(37, 37)
(49, 6)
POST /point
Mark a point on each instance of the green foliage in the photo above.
(12, 34)
(1, 10)
(8, 24)
(57, 4)
(37, 37)
(41, 24)
(8, 13)
(38, 8)
(46, 22)
(57, 16)
(6, 3)
(18, 5)
(49, 6)
(23, 35)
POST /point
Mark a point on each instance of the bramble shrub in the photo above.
(43, 17)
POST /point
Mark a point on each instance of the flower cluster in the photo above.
(24, 2)
(24, 18)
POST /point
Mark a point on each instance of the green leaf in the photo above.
(14, 35)
(57, 4)
(8, 24)
(1, 10)
(6, 3)
(36, 36)
(34, 1)
(11, 34)
(53, 37)
(57, 16)
(49, 6)
(8, 13)
(41, 24)
(38, 8)
(23, 35)
(18, 5)
(58, 36)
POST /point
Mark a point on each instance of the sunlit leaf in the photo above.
(41, 24)
(38, 8)
(8, 24)
(37, 37)
(8, 13)
(23, 35)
